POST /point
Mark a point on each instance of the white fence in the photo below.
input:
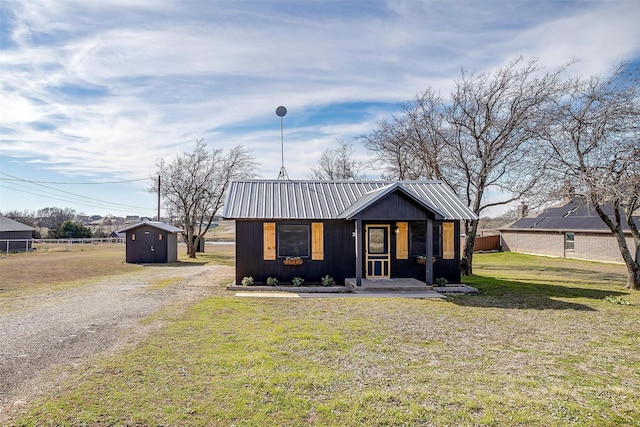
(22, 245)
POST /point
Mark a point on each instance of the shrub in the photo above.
(247, 281)
(328, 281)
(272, 281)
(617, 300)
(297, 281)
(441, 281)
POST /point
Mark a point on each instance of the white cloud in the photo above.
(104, 87)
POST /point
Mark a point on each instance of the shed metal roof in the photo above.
(155, 224)
(8, 224)
(285, 199)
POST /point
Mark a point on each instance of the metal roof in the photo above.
(286, 199)
(161, 225)
(8, 224)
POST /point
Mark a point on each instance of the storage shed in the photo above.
(15, 236)
(346, 229)
(151, 242)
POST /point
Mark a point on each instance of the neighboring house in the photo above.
(345, 229)
(151, 242)
(569, 231)
(15, 236)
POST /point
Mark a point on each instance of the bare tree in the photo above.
(596, 153)
(484, 136)
(337, 164)
(193, 186)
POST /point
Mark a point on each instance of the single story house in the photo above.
(569, 231)
(151, 242)
(15, 236)
(346, 229)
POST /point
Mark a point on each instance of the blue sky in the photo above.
(96, 91)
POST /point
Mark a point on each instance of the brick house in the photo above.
(569, 231)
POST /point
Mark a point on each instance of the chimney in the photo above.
(523, 210)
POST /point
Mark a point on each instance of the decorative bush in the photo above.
(247, 281)
(441, 281)
(297, 281)
(328, 281)
(272, 281)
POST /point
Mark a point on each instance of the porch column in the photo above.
(358, 236)
(429, 260)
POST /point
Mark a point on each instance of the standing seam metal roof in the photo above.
(285, 199)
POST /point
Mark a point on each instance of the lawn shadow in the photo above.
(510, 294)
(177, 264)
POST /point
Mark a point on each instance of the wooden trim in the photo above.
(448, 240)
(269, 240)
(402, 240)
(317, 241)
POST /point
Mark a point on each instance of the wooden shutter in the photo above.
(317, 241)
(402, 240)
(448, 242)
(269, 233)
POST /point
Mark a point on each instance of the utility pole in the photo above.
(158, 198)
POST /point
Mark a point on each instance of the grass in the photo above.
(51, 267)
(540, 345)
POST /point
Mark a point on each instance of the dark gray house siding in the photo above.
(151, 242)
(407, 217)
(15, 236)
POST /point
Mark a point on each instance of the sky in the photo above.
(93, 93)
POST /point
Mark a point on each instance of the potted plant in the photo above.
(293, 260)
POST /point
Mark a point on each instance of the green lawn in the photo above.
(544, 344)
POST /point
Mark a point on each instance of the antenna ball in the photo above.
(281, 111)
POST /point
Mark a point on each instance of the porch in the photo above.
(405, 284)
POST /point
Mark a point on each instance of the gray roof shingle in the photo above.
(285, 199)
(8, 224)
(569, 217)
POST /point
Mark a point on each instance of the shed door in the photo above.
(377, 252)
(148, 249)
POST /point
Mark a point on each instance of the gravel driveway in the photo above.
(66, 327)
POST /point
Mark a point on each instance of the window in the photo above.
(293, 240)
(569, 241)
(419, 239)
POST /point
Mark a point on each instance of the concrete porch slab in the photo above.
(378, 294)
(391, 285)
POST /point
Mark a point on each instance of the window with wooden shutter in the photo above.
(448, 242)
(317, 241)
(269, 240)
(402, 240)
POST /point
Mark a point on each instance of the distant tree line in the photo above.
(60, 223)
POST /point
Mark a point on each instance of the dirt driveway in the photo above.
(65, 328)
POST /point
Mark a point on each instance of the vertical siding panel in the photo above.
(402, 240)
(448, 248)
(269, 232)
(317, 241)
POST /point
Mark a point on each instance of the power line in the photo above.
(12, 178)
(75, 198)
(61, 198)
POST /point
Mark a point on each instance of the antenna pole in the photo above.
(282, 142)
(280, 112)
(158, 198)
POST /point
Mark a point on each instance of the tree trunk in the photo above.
(633, 279)
(471, 228)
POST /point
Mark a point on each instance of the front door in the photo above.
(377, 252)
(147, 248)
